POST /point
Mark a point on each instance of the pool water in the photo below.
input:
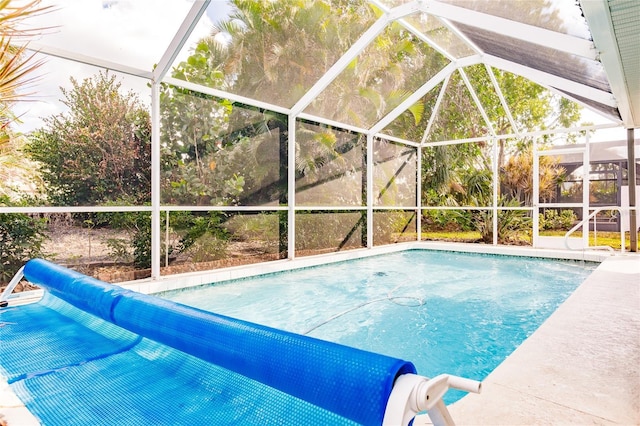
(455, 313)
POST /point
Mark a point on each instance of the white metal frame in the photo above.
(447, 14)
(584, 150)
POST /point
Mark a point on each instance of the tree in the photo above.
(16, 70)
(211, 157)
(517, 177)
(275, 51)
(266, 51)
(532, 107)
(15, 64)
(225, 153)
(98, 151)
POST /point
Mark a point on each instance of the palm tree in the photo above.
(517, 177)
(16, 67)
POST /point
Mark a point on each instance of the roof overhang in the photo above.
(615, 28)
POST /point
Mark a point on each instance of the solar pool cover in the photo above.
(93, 353)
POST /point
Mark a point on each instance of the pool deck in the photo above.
(582, 366)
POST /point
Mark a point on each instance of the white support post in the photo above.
(419, 194)
(291, 187)
(631, 176)
(536, 193)
(586, 167)
(496, 189)
(180, 38)
(155, 180)
(369, 190)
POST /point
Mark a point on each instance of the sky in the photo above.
(132, 32)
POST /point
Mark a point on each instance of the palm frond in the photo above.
(15, 66)
(12, 17)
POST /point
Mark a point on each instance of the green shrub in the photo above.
(99, 149)
(119, 249)
(189, 226)
(447, 220)
(551, 220)
(257, 227)
(21, 238)
(142, 241)
(511, 223)
(208, 247)
(196, 225)
(334, 230)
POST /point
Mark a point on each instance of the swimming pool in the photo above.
(455, 313)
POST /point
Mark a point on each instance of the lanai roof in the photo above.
(587, 50)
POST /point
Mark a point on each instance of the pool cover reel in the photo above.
(353, 383)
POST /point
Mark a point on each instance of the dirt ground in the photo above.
(88, 251)
(70, 245)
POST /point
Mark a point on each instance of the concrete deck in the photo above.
(582, 366)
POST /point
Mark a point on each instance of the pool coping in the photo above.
(487, 408)
(198, 278)
(193, 279)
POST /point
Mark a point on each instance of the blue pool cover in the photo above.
(94, 353)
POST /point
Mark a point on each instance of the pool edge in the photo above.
(194, 279)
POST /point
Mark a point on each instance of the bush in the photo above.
(447, 220)
(335, 230)
(551, 220)
(119, 249)
(21, 238)
(511, 223)
(99, 150)
(196, 225)
(142, 241)
(392, 226)
(255, 227)
(208, 247)
(190, 226)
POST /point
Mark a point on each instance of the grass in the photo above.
(611, 239)
(458, 236)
